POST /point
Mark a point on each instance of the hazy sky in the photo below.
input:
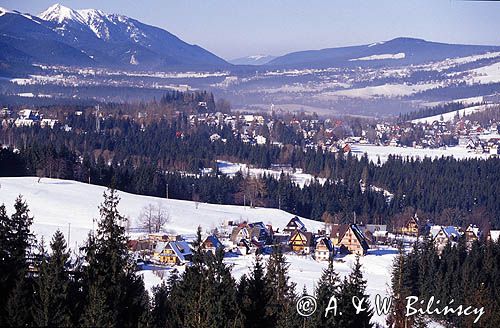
(235, 28)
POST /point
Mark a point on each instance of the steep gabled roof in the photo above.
(295, 224)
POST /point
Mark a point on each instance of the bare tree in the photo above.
(161, 217)
(146, 218)
(152, 218)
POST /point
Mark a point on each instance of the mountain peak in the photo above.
(4, 11)
(59, 13)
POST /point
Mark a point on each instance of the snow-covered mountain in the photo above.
(252, 60)
(396, 52)
(61, 35)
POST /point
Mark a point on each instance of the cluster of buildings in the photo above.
(245, 238)
(26, 118)
(256, 237)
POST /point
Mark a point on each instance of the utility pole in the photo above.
(97, 121)
(69, 232)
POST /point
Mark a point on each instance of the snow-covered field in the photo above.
(56, 203)
(383, 152)
(297, 175)
(447, 117)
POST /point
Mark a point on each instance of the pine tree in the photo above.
(16, 242)
(327, 287)
(110, 274)
(352, 287)
(51, 287)
(282, 307)
(254, 297)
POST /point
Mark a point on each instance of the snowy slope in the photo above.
(56, 203)
(374, 152)
(447, 117)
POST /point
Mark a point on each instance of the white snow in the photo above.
(385, 90)
(450, 116)
(383, 152)
(399, 55)
(4, 11)
(56, 203)
(59, 13)
(296, 175)
(486, 74)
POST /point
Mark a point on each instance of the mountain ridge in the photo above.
(89, 37)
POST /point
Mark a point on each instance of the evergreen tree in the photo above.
(51, 287)
(282, 308)
(16, 242)
(326, 288)
(255, 297)
(353, 288)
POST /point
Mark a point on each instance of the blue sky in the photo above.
(235, 28)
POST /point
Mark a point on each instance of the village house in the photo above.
(294, 224)
(301, 242)
(444, 235)
(471, 235)
(173, 252)
(211, 244)
(337, 231)
(324, 250)
(353, 241)
(411, 227)
(375, 233)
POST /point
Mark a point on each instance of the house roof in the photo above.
(360, 236)
(327, 242)
(160, 246)
(214, 241)
(305, 235)
(295, 224)
(338, 230)
(181, 249)
(449, 231)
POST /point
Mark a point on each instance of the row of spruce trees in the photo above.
(100, 288)
(467, 274)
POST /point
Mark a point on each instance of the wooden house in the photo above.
(442, 235)
(411, 227)
(353, 241)
(173, 252)
(337, 231)
(211, 244)
(471, 235)
(294, 224)
(301, 242)
(323, 250)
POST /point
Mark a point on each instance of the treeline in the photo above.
(435, 110)
(470, 276)
(98, 287)
(142, 156)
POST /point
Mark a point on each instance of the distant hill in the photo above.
(253, 60)
(89, 37)
(399, 51)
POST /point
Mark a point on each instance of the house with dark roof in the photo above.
(211, 244)
(301, 242)
(323, 250)
(294, 224)
(173, 252)
(353, 241)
